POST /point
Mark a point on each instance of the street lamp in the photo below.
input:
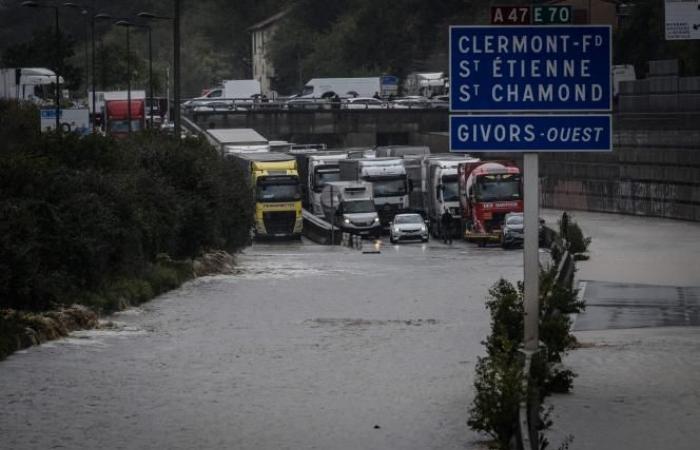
(30, 4)
(126, 24)
(150, 63)
(176, 59)
(84, 10)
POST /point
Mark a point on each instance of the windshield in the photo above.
(278, 192)
(358, 206)
(122, 126)
(321, 178)
(413, 218)
(498, 187)
(389, 187)
(450, 192)
(515, 220)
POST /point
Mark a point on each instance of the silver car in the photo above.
(408, 226)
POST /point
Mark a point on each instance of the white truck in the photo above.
(441, 188)
(413, 156)
(316, 170)
(349, 205)
(350, 87)
(389, 183)
(233, 92)
(34, 84)
(237, 140)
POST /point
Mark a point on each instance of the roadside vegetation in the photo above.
(500, 379)
(106, 223)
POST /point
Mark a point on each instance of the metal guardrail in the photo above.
(528, 411)
(245, 105)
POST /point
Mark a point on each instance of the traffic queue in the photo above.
(362, 191)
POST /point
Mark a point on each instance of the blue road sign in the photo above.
(530, 133)
(50, 113)
(530, 68)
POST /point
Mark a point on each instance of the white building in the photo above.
(261, 35)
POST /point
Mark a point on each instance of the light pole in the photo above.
(126, 24)
(29, 4)
(175, 107)
(150, 66)
(84, 9)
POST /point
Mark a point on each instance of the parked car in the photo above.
(364, 103)
(217, 106)
(308, 104)
(408, 226)
(411, 102)
(440, 101)
(512, 233)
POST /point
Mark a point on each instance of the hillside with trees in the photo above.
(317, 38)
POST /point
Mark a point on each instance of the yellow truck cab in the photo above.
(275, 181)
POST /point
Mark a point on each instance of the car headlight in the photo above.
(396, 230)
(376, 220)
(347, 221)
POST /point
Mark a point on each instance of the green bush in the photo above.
(571, 231)
(76, 214)
(499, 391)
(499, 378)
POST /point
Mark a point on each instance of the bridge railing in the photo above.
(217, 105)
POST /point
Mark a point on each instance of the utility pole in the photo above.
(176, 68)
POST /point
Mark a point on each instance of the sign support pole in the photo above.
(531, 265)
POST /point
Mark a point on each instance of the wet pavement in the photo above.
(639, 362)
(631, 305)
(305, 347)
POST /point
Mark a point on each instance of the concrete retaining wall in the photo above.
(648, 173)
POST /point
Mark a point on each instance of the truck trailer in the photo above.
(441, 189)
(275, 183)
(34, 84)
(316, 170)
(117, 117)
(488, 190)
(350, 87)
(389, 183)
(237, 140)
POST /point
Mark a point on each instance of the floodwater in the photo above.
(328, 348)
(306, 347)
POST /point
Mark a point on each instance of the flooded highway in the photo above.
(306, 347)
(316, 347)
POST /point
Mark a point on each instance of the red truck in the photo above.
(117, 117)
(488, 190)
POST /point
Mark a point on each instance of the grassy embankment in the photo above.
(103, 223)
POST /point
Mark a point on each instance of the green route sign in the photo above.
(531, 15)
(550, 15)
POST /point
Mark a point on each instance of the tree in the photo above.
(642, 39)
(41, 51)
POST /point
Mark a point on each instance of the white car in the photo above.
(410, 102)
(364, 103)
(408, 226)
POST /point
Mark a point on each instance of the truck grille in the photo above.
(279, 222)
